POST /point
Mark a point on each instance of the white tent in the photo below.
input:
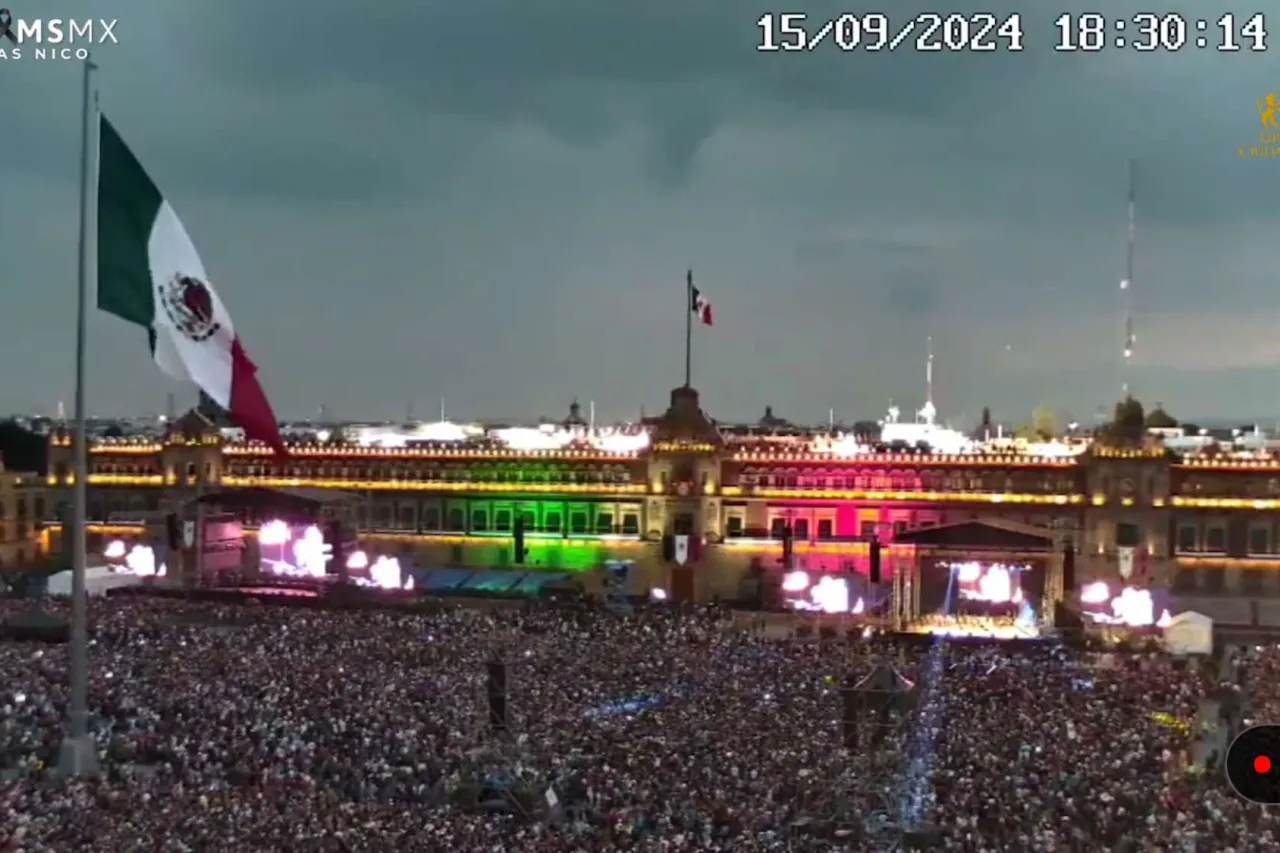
(97, 579)
(1189, 633)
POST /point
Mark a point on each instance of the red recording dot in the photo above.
(1262, 764)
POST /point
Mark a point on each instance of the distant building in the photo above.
(23, 508)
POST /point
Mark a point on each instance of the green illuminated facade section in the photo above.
(569, 533)
(555, 517)
(577, 555)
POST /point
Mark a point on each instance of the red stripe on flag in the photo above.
(249, 407)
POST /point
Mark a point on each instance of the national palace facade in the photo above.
(1202, 524)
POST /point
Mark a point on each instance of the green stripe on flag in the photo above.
(127, 206)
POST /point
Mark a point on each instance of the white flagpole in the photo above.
(79, 755)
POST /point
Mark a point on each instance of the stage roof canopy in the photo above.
(884, 678)
(979, 533)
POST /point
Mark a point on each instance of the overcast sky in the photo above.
(495, 201)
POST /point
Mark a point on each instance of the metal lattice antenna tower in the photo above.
(928, 370)
(1126, 284)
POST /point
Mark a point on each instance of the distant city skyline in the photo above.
(1066, 420)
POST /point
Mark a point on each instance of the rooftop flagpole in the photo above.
(79, 755)
(688, 330)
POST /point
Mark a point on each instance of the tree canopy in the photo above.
(1128, 425)
(1045, 423)
(867, 431)
(21, 449)
(1158, 418)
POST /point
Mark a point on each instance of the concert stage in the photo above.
(1005, 577)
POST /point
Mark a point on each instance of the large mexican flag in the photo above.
(150, 274)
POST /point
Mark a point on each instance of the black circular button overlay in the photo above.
(1253, 764)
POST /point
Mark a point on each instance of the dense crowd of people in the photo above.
(263, 728)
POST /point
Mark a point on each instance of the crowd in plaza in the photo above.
(262, 728)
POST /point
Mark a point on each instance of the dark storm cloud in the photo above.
(496, 58)
(495, 201)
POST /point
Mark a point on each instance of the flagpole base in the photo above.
(78, 757)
